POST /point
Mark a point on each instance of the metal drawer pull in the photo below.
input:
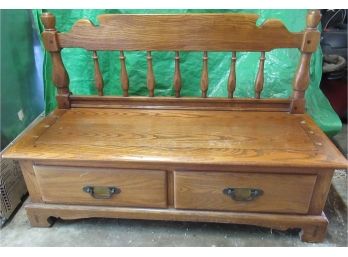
(242, 194)
(101, 192)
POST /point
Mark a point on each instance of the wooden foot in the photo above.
(39, 219)
(314, 233)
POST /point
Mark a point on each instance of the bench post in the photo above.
(301, 81)
(59, 74)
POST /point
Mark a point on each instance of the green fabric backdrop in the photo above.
(280, 66)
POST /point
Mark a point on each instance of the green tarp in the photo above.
(280, 66)
(21, 97)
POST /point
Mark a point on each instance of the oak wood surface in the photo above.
(300, 84)
(180, 136)
(260, 76)
(98, 77)
(281, 193)
(198, 32)
(150, 76)
(61, 184)
(302, 76)
(30, 180)
(60, 76)
(321, 191)
(313, 226)
(232, 80)
(124, 75)
(170, 187)
(185, 103)
(170, 166)
(204, 76)
(177, 75)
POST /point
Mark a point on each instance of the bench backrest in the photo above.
(181, 32)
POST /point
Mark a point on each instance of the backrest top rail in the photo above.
(180, 32)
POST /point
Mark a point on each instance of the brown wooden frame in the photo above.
(198, 32)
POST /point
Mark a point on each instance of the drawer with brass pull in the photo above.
(102, 186)
(246, 192)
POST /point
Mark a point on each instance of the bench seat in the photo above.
(252, 138)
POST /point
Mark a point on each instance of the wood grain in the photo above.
(186, 166)
(302, 77)
(150, 77)
(311, 36)
(193, 137)
(142, 188)
(198, 32)
(177, 75)
(260, 76)
(313, 226)
(98, 77)
(300, 84)
(60, 76)
(170, 187)
(30, 180)
(124, 75)
(203, 32)
(204, 76)
(184, 103)
(321, 191)
(231, 84)
(191, 129)
(281, 193)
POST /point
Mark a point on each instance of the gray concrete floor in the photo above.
(117, 232)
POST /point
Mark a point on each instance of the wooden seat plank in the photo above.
(181, 136)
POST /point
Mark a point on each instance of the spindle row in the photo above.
(231, 84)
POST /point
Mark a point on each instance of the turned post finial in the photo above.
(313, 19)
(311, 38)
(48, 20)
(60, 76)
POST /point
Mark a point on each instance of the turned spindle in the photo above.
(150, 75)
(204, 78)
(177, 75)
(124, 74)
(260, 76)
(301, 81)
(59, 74)
(231, 85)
(98, 78)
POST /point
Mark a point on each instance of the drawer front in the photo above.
(102, 186)
(245, 192)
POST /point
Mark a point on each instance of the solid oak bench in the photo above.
(255, 161)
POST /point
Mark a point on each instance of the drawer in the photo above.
(102, 186)
(245, 192)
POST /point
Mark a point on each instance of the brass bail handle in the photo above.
(101, 192)
(242, 194)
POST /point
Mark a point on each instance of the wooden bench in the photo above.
(255, 161)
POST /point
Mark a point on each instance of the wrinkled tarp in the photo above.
(280, 66)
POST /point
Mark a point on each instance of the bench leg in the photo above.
(314, 233)
(38, 219)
